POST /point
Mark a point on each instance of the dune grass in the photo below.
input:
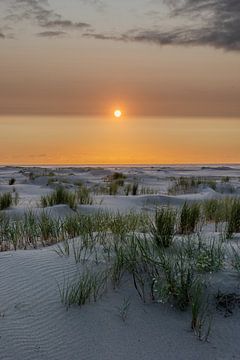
(184, 185)
(83, 196)
(63, 196)
(135, 188)
(11, 181)
(233, 225)
(200, 310)
(59, 196)
(163, 227)
(87, 287)
(210, 256)
(6, 200)
(124, 309)
(164, 255)
(189, 218)
(235, 258)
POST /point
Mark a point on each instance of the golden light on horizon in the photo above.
(117, 113)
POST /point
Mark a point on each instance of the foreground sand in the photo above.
(35, 325)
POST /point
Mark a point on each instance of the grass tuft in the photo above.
(163, 228)
(59, 196)
(88, 286)
(233, 225)
(6, 200)
(189, 218)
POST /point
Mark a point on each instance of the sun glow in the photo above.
(117, 113)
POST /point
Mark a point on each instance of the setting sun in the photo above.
(117, 113)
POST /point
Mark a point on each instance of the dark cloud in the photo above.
(2, 36)
(100, 36)
(216, 23)
(30, 9)
(40, 12)
(213, 23)
(67, 24)
(220, 18)
(51, 34)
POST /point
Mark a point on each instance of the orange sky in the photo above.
(106, 140)
(171, 66)
(88, 79)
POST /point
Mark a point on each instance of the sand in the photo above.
(35, 325)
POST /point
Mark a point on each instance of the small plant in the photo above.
(225, 179)
(83, 196)
(189, 218)
(135, 188)
(12, 181)
(213, 211)
(115, 176)
(118, 267)
(127, 189)
(115, 181)
(63, 249)
(59, 196)
(113, 187)
(201, 319)
(124, 309)
(184, 185)
(177, 279)
(99, 284)
(163, 228)
(49, 229)
(233, 225)
(218, 210)
(72, 226)
(235, 259)
(16, 198)
(227, 302)
(147, 191)
(209, 257)
(31, 176)
(6, 200)
(87, 287)
(77, 248)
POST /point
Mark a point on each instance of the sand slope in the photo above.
(35, 325)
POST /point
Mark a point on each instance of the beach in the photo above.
(35, 324)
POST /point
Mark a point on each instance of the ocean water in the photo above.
(105, 140)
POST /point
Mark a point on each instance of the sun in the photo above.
(117, 113)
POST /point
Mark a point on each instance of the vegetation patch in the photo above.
(6, 200)
(226, 303)
(185, 185)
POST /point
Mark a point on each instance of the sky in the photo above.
(153, 59)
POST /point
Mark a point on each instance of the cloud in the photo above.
(200, 22)
(99, 5)
(29, 9)
(67, 24)
(42, 14)
(2, 36)
(51, 34)
(212, 23)
(99, 36)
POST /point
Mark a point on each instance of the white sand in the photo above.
(34, 324)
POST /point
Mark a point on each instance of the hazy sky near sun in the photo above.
(105, 140)
(152, 57)
(171, 66)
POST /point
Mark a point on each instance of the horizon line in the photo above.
(119, 165)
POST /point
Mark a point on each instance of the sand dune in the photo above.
(35, 325)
